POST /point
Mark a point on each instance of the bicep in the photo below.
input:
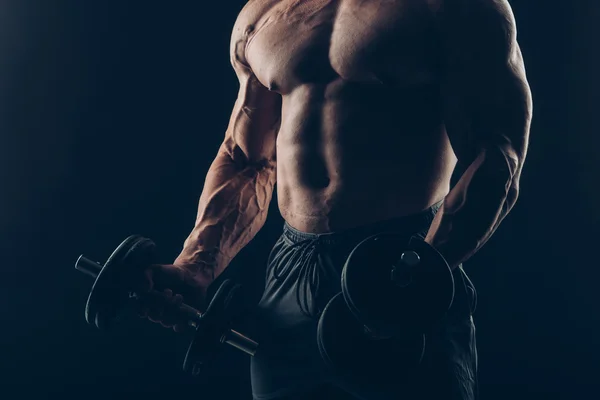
(486, 95)
(254, 122)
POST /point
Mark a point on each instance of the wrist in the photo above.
(200, 258)
(444, 252)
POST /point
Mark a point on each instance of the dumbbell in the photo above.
(114, 288)
(393, 290)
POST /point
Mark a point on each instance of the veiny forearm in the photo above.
(474, 208)
(232, 209)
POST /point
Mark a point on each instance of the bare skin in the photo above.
(359, 110)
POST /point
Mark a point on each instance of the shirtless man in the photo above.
(359, 110)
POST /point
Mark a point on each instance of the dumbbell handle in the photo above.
(88, 267)
(231, 337)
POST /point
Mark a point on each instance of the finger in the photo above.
(166, 324)
(168, 296)
(156, 314)
(172, 315)
(167, 276)
(179, 281)
(177, 300)
(166, 318)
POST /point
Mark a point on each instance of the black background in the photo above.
(110, 113)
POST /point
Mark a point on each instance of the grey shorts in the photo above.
(303, 274)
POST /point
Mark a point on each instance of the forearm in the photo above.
(474, 208)
(232, 209)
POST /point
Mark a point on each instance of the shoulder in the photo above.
(486, 29)
(477, 14)
(245, 25)
(250, 15)
(470, 6)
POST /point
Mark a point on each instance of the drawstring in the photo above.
(308, 273)
(300, 252)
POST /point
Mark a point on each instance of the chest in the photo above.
(299, 42)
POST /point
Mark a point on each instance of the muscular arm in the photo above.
(239, 184)
(487, 115)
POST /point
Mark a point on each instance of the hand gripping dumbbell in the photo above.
(114, 289)
(392, 292)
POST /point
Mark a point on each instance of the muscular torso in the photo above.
(361, 137)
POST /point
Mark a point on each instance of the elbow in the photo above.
(262, 165)
(502, 162)
(499, 170)
(512, 192)
(514, 166)
(249, 161)
(512, 195)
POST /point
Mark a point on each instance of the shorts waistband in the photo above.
(409, 225)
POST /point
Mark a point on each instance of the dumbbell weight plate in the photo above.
(351, 354)
(382, 305)
(110, 292)
(224, 307)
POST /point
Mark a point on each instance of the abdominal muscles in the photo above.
(349, 154)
